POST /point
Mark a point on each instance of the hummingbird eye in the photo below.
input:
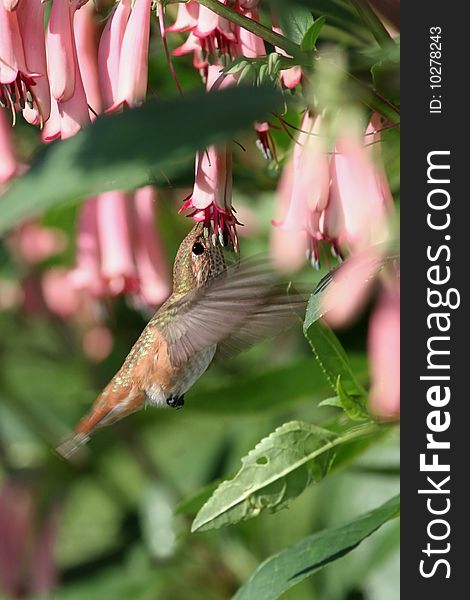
(198, 248)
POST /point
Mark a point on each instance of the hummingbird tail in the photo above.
(73, 443)
(102, 414)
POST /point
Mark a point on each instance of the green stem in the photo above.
(373, 22)
(267, 34)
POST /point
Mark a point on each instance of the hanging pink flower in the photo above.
(150, 260)
(287, 251)
(118, 249)
(8, 160)
(87, 272)
(109, 53)
(60, 50)
(384, 354)
(52, 127)
(133, 62)
(31, 23)
(86, 43)
(360, 191)
(211, 199)
(249, 44)
(187, 17)
(74, 112)
(17, 83)
(114, 234)
(310, 185)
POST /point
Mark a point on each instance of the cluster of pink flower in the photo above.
(61, 77)
(118, 252)
(56, 76)
(340, 197)
(343, 198)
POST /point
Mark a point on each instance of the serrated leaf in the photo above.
(284, 570)
(354, 406)
(277, 470)
(295, 22)
(332, 358)
(128, 150)
(309, 40)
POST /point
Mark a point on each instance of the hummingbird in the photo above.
(213, 307)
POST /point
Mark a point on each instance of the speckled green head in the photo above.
(197, 261)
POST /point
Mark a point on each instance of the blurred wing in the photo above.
(360, 268)
(283, 310)
(241, 306)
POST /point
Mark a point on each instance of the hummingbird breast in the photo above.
(167, 381)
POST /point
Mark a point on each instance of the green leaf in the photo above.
(284, 570)
(338, 13)
(333, 401)
(131, 149)
(277, 470)
(295, 23)
(332, 357)
(354, 406)
(309, 40)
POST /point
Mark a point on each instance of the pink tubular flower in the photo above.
(133, 63)
(114, 234)
(16, 82)
(193, 44)
(215, 32)
(187, 17)
(60, 50)
(310, 186)
(384, 353)
(87, 272)
(8, 161)
(86, 42)
(360, 190)
(287, 251)
(118, 250)
(109, 52)
(52, 128)
(31, 23)
(74, 112)
(250, 45)
(149, 257)
(211, 199)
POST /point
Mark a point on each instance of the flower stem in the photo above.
(373, 22)
(257, 28)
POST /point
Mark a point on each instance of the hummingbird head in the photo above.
(197, 261)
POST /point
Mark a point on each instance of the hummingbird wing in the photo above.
(239, 307)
